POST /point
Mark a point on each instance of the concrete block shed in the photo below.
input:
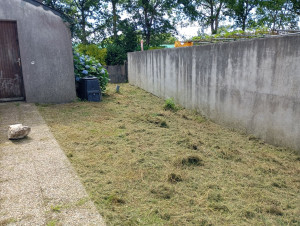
(36, 61)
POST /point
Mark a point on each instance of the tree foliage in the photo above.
(152, 16)
(240, 11)
(88, 16)
(277, 14)
(155, 20)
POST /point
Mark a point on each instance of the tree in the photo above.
(85, 12)
(114, 10)
(207, 12)
(60, 5)
(296, 6)
(152, 16)
(129, 37)
(86, 16)
(240, 11)
(277, 14)
(113, 17)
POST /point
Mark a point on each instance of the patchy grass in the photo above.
(143, 165)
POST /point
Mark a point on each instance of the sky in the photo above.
(189, 31)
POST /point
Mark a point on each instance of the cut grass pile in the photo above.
(143, 165)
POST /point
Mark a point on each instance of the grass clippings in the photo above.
(125, 147)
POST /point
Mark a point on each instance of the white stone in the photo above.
(18, 131)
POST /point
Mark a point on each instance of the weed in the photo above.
(199, 118)
(122, 127)
(158, 121)
(213, 186)
(166, 216)
(8, 221)
(191, 160)
(185, 117)
(81, 201)
(193, 146)
(249, 214)
(205, 223)
(162, 191)
(56, 208)
(158, 114)
(51, 223)
(215, 197)
(183, 141)
(41, 105)
(219, 207)
(170, 105)
(164, 124)
(174, 178)
(275, 211)
(279, 184)
(254, 138)
(70, 155)
(114, 199)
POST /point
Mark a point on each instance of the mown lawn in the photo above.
(143, 165)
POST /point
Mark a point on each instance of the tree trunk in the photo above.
(83, 28)
(147, 28)
(148, 37)
(114, 5)
(245, 16)
(244, 24)
(216, 24)
(212, 18)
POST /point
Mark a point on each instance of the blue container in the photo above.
(89, 89)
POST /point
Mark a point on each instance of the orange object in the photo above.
(185, 44)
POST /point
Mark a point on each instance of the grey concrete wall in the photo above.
(251, 85)
(46, 51)
(117, 73)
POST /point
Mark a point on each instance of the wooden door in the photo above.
(11, 80)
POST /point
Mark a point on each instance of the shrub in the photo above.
(94, 51)
(85, 65)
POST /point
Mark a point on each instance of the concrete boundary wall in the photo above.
(117, 73)
(251, 85)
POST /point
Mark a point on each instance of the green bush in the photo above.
(116, 55)
(85, 65)
(170, 105)
(94, 51)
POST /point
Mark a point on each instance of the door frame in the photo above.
(22, 88)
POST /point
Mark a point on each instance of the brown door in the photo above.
(11, 81)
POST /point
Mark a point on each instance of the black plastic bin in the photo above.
(89, 89)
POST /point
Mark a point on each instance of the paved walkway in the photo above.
(38, 186)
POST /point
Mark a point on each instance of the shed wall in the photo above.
(46, 52)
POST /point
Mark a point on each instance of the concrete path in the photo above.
(38, 186)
